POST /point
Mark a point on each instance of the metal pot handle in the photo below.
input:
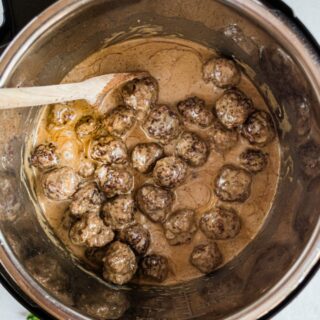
(16, 14)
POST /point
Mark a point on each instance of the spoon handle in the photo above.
(11, 98)
(93, 90)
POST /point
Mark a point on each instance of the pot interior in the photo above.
(290, 97)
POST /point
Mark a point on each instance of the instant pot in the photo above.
(283, 60)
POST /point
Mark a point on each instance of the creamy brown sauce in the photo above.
(177, 66)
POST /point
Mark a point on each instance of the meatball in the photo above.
(60, 183)
(88, 198)
(192, 149)
(145, 155)
(221, 138)
(140, 94)
(224, 73)
(114, 180)
(119, 121)
(155, 267)
(180, 227)
(87, 168)
(253, 160)
(119, 264)
(108, 150)
(233, 184)
(193, 110)
(119, 212)
(61, 114)
(233, 108)
(67, 220)
(220, 223)
(90, 231)
(206, 257)
(259, 129)
(44, 156)
(137, 237)
(86, 126)
(162, 124)
(154, 202)
(169, 172)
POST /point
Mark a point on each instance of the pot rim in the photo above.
(281, 28)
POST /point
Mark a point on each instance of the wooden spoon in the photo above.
(93, 90)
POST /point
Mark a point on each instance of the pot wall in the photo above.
(281, 65)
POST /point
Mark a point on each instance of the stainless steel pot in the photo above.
(284, 65)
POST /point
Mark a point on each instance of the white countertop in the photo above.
(307, 305)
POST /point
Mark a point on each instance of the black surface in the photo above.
(279, 5)
(17, 13)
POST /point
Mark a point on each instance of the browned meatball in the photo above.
(60, 183)
(119, 121)
(67, 220)
(154, 202)
(221, 138)
(88, 198)
(224, 73)
(119, 212)
(162, 124)
(61, 114)
(44, 156)
(259, 129)
(119, 264)
(180, 227)
(86, 126)
(169, 172)
(114, 180)
(87, 168)
(141, 95)
(193, 110)
(155, 267)
(253, 160)
(233, 184)
(109, 150)
(137, 237)
(145, 155)
(233, 108)
(220, 223)
(192, 149)
(90, 231)
(206, 257)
